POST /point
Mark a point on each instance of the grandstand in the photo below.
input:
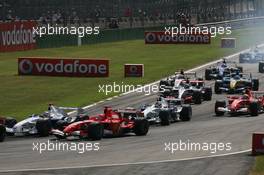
(127, 13)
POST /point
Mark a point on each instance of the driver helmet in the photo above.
(245, 97)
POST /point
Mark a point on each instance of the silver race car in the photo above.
(167, 110)
(54, 117)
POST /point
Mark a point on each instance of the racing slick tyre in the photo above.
(208, 93)
(141, 127)
(10, 122)
(218, 104)
(255, 84)
(43, 127)
(207, 74)
(186, 113)
(197, 97)
(254, 108)
(95, 131)
(2, 133)
(261, 67)
(164, 118)
(217, 87)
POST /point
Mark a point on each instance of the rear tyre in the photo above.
(207, 74)
(186, 113)
(164, 118)
(255, 84)
(217, 87)
(208, 94)
(2, 133)
(141, 127)
(197, 97)
(254, 108)
(43, 127)
(217, 105)
(95, 131)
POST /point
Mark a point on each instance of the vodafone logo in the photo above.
(150, 37)
(25, 66)
(63, 67)
(162, 38)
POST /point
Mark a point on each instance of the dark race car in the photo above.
(115, 122)
(190, 91)
(221, 70)
(250, 103)
(172, 80)
(253, 56)
(236, 83)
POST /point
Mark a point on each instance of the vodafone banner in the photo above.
(63, 67)
(162, 38)
(15, 36)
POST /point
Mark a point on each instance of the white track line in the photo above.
(125, 164)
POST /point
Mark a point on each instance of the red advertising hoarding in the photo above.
(134, 70)
(63, 67)
(15, 36)
(162, 38)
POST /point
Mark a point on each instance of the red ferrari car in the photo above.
(252, 102)
(118, 122)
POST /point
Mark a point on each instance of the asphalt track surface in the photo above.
(146, 154)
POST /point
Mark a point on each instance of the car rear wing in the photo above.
(73, 109)
(187, 73)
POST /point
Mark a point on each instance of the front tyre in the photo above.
(141, 127)
(2, 133)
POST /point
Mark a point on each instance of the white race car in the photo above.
(167, 110)
(42, 124)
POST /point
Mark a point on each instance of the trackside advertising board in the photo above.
(63, 67)
(16, 36)
(162, 38)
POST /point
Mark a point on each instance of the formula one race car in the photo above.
(250, 103)
(190, 91)
(167, 110)
(221, 70)
(116, 122)
(55, 117)
(253, 56)
(172, 80)
(5, 122)
(236, 83)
